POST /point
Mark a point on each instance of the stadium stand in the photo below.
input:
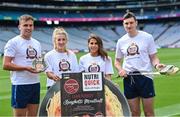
(103, 17)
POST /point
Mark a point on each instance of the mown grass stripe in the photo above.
(5, 97)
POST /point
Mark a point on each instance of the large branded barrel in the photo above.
(56, 88)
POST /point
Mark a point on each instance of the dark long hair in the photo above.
(101, 50)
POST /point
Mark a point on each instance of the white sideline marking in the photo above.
(168, 110)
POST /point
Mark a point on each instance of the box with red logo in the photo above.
(82, 94)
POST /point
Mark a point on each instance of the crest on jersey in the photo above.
(64, 65)
(31, 53)
(133, 49)
(94, 68)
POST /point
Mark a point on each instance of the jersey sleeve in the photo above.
(81, 65)
(48, 62)
(152, 47)
(109, 66)
(75, 64)
(10, 49)
(118, 53)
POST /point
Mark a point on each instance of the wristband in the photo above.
(155, 66)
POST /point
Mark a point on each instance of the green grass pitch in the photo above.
(167, 87)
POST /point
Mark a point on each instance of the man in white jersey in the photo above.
(138, 50)
(19, 53)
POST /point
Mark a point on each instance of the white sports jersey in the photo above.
(59, 63)
(24, 52)
(136, 51)
(89, 63)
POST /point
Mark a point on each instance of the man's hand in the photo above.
(122, 73)
(32, 70)
(159, 66)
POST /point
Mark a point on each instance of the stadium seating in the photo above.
(164, 35)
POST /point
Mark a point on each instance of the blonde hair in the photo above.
(26, 17)
(56, 32)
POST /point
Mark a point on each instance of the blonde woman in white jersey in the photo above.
(97, 60)
(60, 59)
(137, 49)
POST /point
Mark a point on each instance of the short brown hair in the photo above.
(129, 15)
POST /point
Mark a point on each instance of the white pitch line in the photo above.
(168, 110)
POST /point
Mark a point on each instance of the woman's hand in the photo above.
(53, 76)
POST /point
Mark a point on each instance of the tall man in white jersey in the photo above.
(19, 53)
(138, 50)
